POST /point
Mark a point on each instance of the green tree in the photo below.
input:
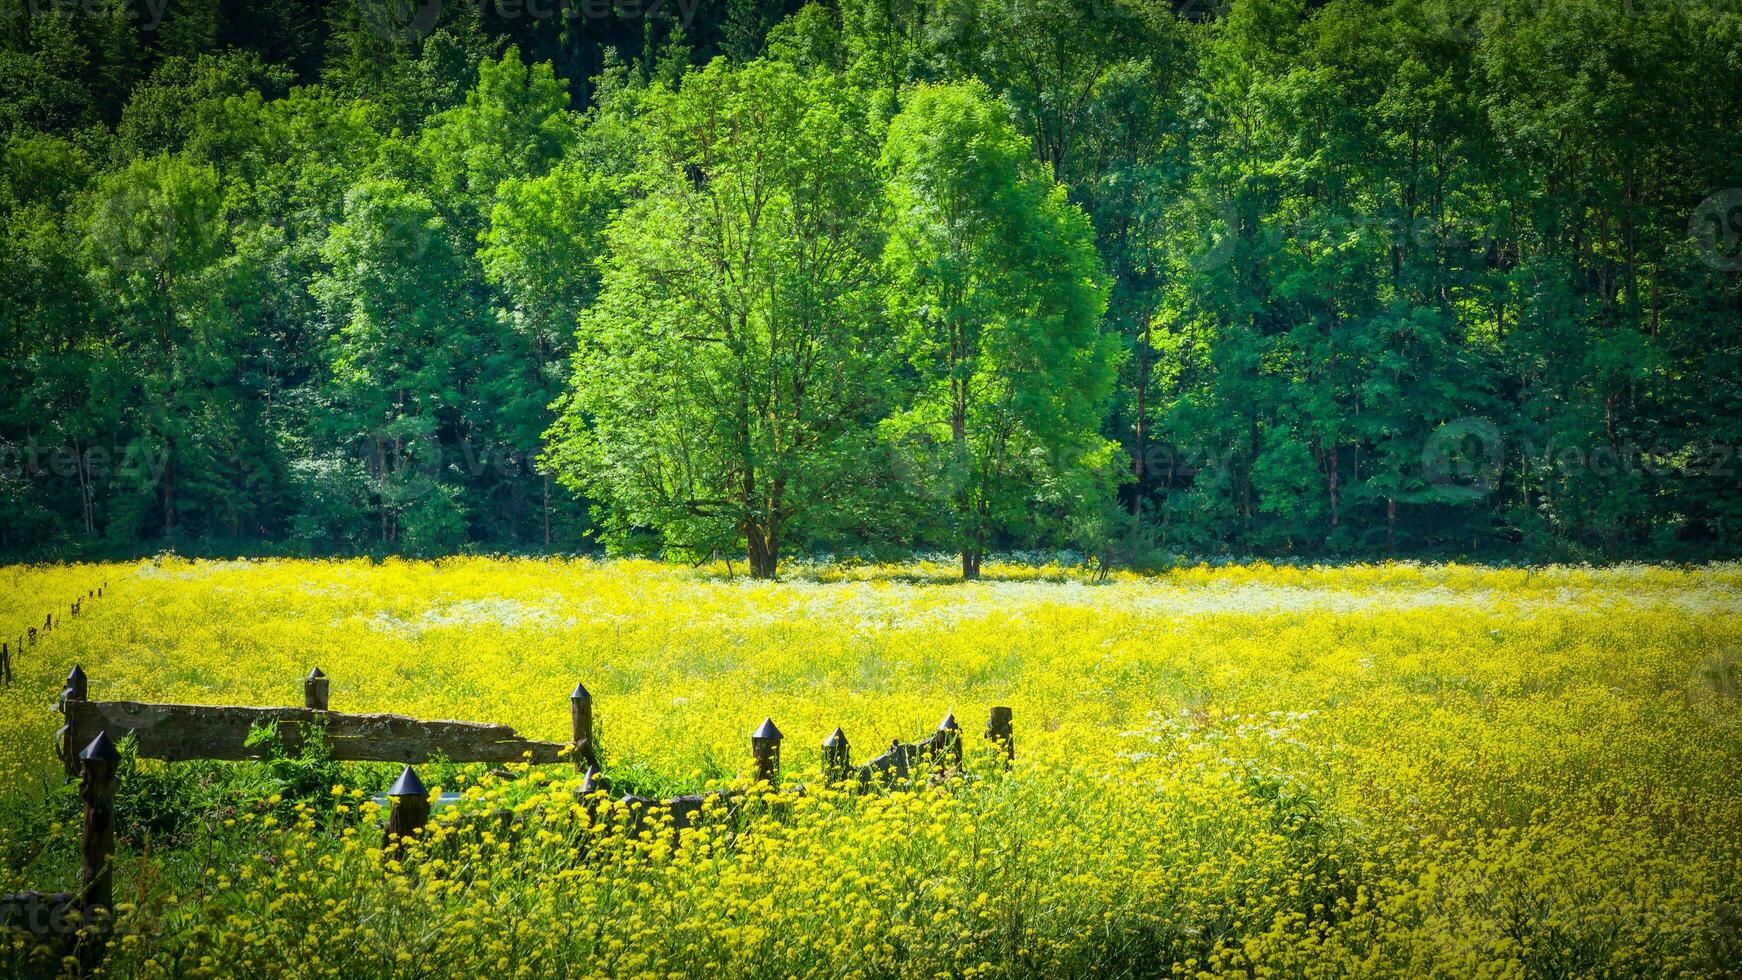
(542, 248)
(995, 279)
(726, 381)
(155, 234)
(515, 122)
(401, 351)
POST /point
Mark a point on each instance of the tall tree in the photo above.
(996, 283)
(402, 351)
(726, 381)
(542, 248)
(155, 235)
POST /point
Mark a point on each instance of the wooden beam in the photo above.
(181, 732)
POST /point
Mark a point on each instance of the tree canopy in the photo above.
(1357, 278)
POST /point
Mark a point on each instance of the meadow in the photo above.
(1382, 770)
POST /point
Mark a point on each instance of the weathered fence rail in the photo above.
(183, 732)
(186, 732)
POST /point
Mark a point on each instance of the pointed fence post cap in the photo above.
(315, 675)
(76, 674)
(101, 750)
(408, 784)
(949, 723)
(580, 693)
(767, 731)
(835, 740)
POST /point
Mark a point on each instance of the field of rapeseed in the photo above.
(1377, 771)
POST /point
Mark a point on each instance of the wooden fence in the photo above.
(9, 652)
(184, 732)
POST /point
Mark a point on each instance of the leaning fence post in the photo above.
(948, 739)
(1002, 731)
(836, 758)
(410, 809)
(581, 728)
(314, 690)
(97, 791)
(765, 748)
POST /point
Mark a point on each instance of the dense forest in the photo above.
(1362, 278)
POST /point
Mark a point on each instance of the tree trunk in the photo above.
(763, 551)
(166, 491)
(959, 443)
(1334, 485)
(1139, 465)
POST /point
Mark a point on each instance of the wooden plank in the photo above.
(180, 732)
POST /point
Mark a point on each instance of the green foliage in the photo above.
(726, 380)
(1294, 279)
(994, 277)
(160, 805)
(306, 776)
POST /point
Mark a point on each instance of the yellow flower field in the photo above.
(1394, 770)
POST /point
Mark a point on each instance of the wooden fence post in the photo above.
(410, 810)
(97, 763)
(765, 749)
(1002, 731)
(947, 740)
(314, 690)
(5, 663)
(581, 728)
(837, 760)
(97, 790)
(32, 638)
(76, 688)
